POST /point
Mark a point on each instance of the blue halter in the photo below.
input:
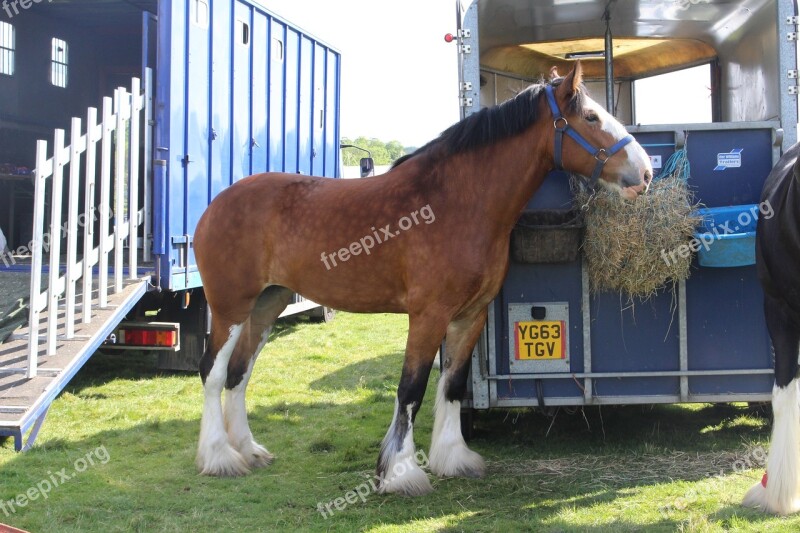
(561, 125)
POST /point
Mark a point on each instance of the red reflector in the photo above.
(449, 38)
(144, 337)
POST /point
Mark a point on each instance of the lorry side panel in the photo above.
(240, 92)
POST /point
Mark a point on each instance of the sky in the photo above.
(399, 76)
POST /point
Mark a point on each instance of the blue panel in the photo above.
(220, 154)
(175, 191)
(305, 106)
(726, 326)
(292, 103)
(242, 45)
(720, 186)
(197, 129)
(318, 117)
(259, 83)
(332, 116)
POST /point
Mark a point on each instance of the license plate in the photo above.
(540, 340)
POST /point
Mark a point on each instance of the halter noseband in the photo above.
(561, 125)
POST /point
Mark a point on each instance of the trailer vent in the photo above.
(7, 49)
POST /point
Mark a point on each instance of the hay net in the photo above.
(629, 247)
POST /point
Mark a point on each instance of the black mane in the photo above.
(492, 124)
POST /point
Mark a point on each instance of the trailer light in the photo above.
(449, 38)
(146, 337)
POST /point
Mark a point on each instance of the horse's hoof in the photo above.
(256, 455)
(416, 485)
(759, 497)
(227, 462)
(405, 478)
(458, 461)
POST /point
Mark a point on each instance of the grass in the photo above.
(321, 398)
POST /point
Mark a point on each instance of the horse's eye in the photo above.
(592, 117)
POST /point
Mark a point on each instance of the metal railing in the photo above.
(114, 143)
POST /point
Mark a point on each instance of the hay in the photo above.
(630, 247)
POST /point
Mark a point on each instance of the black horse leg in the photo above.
(779, 491)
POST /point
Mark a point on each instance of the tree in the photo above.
(383, 153)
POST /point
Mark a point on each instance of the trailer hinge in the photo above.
(791, 36)
(793, 89)
(791, 74)
(465, 49)
(465, 101)
(464, 34)
(466, 85)
(794, 19)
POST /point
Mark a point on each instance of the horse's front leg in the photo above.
(398, 467)
(450, 455)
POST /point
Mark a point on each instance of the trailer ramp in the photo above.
(24, 401)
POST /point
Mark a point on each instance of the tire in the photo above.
(322, 314)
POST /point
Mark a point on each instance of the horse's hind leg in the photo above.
(398, 467)
(450, 455)
(269, 306)
(215, 457)
(782, 492)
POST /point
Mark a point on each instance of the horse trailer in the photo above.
(706, 341)
(107, 207)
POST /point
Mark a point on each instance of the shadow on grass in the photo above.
(325, 450)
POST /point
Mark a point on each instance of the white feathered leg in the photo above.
(450, 456)
(215, 456)
(239, 434)
(782, 492)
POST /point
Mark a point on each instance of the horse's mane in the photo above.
(492, 124)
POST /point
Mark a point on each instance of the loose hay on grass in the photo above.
(630, 246)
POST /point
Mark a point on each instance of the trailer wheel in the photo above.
(467, 423)
(322, 314)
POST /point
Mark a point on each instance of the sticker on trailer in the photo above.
(655, 161)
(732, 159)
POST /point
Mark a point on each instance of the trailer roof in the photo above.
(650, 36)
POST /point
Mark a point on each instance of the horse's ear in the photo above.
(553, 73)
(573, 81)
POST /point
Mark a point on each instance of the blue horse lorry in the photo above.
(237, 91)
(706, 341)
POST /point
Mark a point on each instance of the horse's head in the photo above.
(591, 142)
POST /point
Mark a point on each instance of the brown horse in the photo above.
(429, 238)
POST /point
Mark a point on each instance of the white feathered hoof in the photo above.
(224, 461)
(772, 499)
(256, 455)
(458, 461)
(404, 477)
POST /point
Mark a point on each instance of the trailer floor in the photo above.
(24, 402)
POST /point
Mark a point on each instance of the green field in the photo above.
(320, 399)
